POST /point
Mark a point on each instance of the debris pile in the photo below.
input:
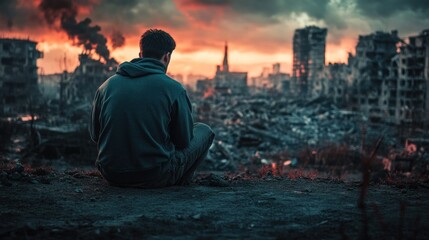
(262, 130)
(18, 173)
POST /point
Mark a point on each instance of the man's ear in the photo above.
(166, 57)
(140, 55)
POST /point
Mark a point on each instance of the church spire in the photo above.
(225, 66)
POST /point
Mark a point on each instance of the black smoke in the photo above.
(118, 40)
(81, 32)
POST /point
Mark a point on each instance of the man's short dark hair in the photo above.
(154, 43)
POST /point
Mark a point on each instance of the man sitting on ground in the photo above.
(141, 121)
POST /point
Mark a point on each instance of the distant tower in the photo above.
(308, 57)
(225, 66)
(226, 82)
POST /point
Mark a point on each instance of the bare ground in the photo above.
(84, 206)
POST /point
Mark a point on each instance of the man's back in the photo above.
(140, 117)
(142, 123)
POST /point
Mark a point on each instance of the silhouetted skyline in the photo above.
(259, 33)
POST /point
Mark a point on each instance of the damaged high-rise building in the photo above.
(405, 93)
(309, 45)
(391, 78)
(369, 68)
(18, 74)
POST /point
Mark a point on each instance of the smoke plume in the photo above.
(82, 33)
(118, 40)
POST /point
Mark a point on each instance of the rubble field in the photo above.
(45, 204)
(278, 168)
(269, 130)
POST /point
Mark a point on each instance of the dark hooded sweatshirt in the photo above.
(140, 116)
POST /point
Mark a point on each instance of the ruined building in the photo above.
(405, 92)
(49, 85)
(228, 82)
(18, 74)
(334, 83)
(87, 77)
(272, 79)
(279, 81)
(369, 68)
(308, 58)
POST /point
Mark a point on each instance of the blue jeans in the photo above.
(178, 171)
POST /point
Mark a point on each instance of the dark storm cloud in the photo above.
(18, 16)
(7, 11)
(131, 13)
(315, 9)
(388, 8)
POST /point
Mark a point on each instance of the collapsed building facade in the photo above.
(18, 74)
(333, 82)
(279, 80)
(390, 78)
(87, 77)
(369, 67)
(309, 45)
(228, 82)
(272, 79)
(386, 80)
(405, 93)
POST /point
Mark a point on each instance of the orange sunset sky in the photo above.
(259, 32)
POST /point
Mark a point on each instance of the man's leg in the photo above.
(195, 153)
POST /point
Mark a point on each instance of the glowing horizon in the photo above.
(258, 34)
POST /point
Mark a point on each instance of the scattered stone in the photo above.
(15, 176)
(196, 216)
(19, 168)
(5, 182)
(78, 190)
(268, 176)
(26, 177)
(79, 175)
(322, 222)
(42, 171)
(34, 181)
(213, 180)
(45, 180)
(236, 178)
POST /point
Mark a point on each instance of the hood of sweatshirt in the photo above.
(139, 67)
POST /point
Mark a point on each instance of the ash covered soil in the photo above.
(83, 206)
